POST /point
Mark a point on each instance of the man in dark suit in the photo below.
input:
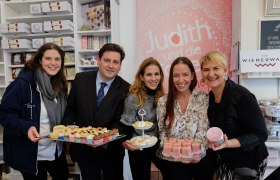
(85, 108)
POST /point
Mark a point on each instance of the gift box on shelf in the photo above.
(16, 44)
(15, 28)
(37, 27)
(69, 57)
(15, 72)
(70, 72)
(66, 41)
(96, 15)
(17, 59)
(36, 43)
(21, 58)
(35, 9)
(58, 25)
(56, 7)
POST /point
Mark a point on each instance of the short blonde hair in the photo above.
(215, 57)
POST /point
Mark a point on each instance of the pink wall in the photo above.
(167, 29)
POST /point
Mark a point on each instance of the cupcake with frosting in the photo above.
(72, 136)
(115, 133)
(89, 139)
(97, 140)
(78, 138)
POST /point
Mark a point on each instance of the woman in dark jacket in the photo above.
(235, 110)
(31, 106)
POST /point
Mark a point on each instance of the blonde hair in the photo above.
(215, 57)
(137, 88)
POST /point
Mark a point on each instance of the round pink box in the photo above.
(215, 135)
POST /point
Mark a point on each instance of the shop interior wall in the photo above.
(263, 88)
(245, 30)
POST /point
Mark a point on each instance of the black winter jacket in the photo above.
(239, 116)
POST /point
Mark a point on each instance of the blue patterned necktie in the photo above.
(100, 94)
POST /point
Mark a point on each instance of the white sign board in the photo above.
(260, 61)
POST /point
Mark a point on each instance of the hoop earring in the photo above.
(202, 80)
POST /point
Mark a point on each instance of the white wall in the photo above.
(127, 38)
(251, 12)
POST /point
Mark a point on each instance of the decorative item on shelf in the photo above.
(272, 8)
(15, 44)
(70, 72)
(88, 61)
(15, 28)
(94, 42)
(69, 57)
(21, 58)
(58, 25)
(36, 43)
(86, 27)
(15, 72)
(16, 59)
(97, 14)
(35, 9)
(56, 7)
(27, 56)
(37, 27)
(65, 41)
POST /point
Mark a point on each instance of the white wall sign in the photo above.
(260, 61)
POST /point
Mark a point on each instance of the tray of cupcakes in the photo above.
(181, 150)
(94, 136)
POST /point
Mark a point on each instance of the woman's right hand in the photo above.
(129, 146)
(33, 134)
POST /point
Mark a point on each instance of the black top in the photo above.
(239, 116)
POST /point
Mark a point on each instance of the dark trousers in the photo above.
(140, 162)
(58, 170)
(204, 170)
(99, 162)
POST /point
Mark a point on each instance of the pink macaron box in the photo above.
(215, 135)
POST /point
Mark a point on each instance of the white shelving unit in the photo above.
(19, 12)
